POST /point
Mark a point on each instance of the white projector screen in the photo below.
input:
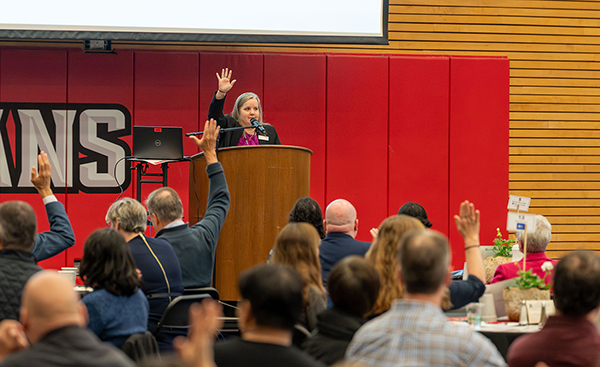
(312, 21)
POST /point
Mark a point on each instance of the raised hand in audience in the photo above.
(208, 143)
(468, 225)
(197, 349)
(42, 180)
(12, 338)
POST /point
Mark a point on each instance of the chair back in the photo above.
(212, 292)
(176, 315)
(140, 347)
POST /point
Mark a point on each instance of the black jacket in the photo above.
(334, 332)
(231, 138)
(15, 269)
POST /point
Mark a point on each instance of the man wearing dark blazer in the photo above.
(341, 227)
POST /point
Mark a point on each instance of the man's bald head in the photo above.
(49, 302)
(340, 216)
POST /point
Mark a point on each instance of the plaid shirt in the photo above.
(416, 333)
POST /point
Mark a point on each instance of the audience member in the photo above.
(537, 240)
(60, 236)
(154, 257)
(307, 210)
(17, 263)
(569, 338)
(415, 330)
(297, 246)
(382, 256)
(341, 227)
(117, 307)
(270, 307)
(470, 290)
(194, 246)
(415, 210)
(53, 320)
(353, 287)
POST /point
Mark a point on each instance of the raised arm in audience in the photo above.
(197, 349)
(61, 236)
(468, 225)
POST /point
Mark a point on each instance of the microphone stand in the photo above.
(224, 131)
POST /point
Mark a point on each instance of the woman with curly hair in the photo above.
(117, 307)
(307, 210)
(382, 255)
(297, 246)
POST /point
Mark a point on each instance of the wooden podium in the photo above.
(264, 181)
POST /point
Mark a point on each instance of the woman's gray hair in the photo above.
(538, 237)
(241, 100)
(131, 214)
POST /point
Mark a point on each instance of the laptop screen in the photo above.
(155, 142)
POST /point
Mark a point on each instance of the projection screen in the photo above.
(257, 21)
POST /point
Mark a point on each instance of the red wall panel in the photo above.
(34, 76)
(357, 124)
(418, 130)
(106, 79)
(479, 106)
(294, 98)
(166, 94)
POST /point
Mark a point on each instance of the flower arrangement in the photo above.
(502, 247)
(527, 279)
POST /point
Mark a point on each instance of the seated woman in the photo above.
(117, 307)
(308, 211)
(155, 258)
(415, 210)
(297, 246)
(382, 256)
(353, 287)
(537, 241)
(246, 108)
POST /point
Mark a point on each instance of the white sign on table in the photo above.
(514, 219)
(520, 203)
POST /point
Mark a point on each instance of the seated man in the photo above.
(537, 240)
(341, 227)
(569, 338)
(53, 320)
(415, 330)
(270, 307)
(194, 246)
(17, 263)
(154, 257)
(353, 287)
(60, 236)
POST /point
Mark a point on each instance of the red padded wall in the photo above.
(418, 143)
(294, 100)
(357, 124)
(479, 106)
(97, 78)
(166, 94)
(34, 76)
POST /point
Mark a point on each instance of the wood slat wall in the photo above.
(554, 48)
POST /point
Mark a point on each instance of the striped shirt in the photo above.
(417, 333)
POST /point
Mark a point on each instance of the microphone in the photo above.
(196, 133)
(258, 125)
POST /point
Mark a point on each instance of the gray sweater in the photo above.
(195, 246)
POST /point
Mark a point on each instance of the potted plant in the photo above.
(502, 254)
(529, 287)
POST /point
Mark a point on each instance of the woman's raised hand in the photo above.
(225, 82)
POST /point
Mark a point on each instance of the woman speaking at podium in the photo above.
(246, 109)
